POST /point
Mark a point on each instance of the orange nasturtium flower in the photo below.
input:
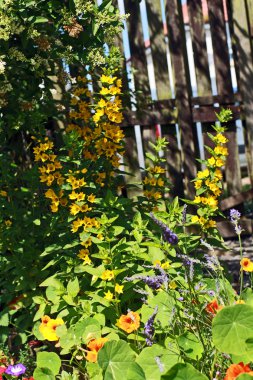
(129, 322)
(213, 307)
(94, 346)
(48, 327)
(246, 265)
(236, 369)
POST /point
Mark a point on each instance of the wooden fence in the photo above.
(178, 108)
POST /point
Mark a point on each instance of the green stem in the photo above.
(241, 271)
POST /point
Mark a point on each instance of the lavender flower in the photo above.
(15, 370)
(149, 329)
(154, 282)
(208, 246)
(235, 217)
(168, 235)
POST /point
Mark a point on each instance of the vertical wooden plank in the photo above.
(177, 45)
(243, 46)
(232, 168)
(249, 4)
(173, 162)
(220, 47)
(158, 49)
(199, 47)
(137, 50)
(131, 162)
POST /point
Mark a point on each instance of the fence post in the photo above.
(177, 45)
(243, 45)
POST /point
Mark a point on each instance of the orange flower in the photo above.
(213, 307)
(246, 265)
(129, 322)
(94, 346)
(236, 369)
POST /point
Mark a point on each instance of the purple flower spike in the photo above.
(15, 370)
(149, 329)
(234, 214)
(168, 235)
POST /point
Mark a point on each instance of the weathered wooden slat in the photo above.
(158, 49)
(249, 4)
(206, 114)
(243, 46)
(236, 200)
(232, 167)
(199, 47)
(173, 162)
(227, 230)
(221, 99)
(220, 48)
(131, 162)
(177, 45)
(137, 50)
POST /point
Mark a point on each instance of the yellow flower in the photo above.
(107, 275)
(129, 322)
(48, 327)
(157, 195)
(50, 194)
(218, 174)
(108, 295)
(197, 199)
(219, 162)
(195, 219)
(219, 149)
(166, 265)
(198, 184)
(211, 224)
(107, 79)
(152, 181)
(246, 265)
(173, 285)
(74, 209)
(157, 170)
(3, 193)
(91, 198)
(119, 288)
(240, 302)
(211, 161)
(212, 202)
(220, 138)
(8, 223)
(160, 182)
(105, 91)
(203, 174)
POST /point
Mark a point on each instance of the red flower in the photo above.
(213, 307)
(30, 378)
(2, 370)
(236, 369)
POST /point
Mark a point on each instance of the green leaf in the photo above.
(182, 371)
(73, 287)
(244, 376)
(40, 311)
(191, 346)
(49, 360)
(43, 374)
(165, 305)
(147, 361)
(114, 359)
(134, 371)
(37, 222)
(52, 281)
(232, 326)
(40, 20)
(4, 318)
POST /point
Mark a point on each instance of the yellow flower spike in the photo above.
(219, 162)
(108, 296)
(119, 289)
(220, 138)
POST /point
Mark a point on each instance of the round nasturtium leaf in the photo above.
(151, 356)
(115, 357)
(191, 345)
(232, 327)
(43, 374)
(183, 371)
(49, 360)
(244, 376)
